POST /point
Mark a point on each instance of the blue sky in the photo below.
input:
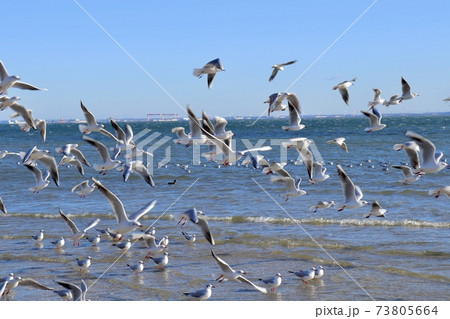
(54, 44)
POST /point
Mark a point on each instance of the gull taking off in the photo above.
(430, 158)
(339, 141)
(125, 223)
(376, 210)
(229, 273)
(76, 233)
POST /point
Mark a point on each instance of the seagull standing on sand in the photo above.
(138, 268)
(352, 193)
(39, 237)
(210, 68)
(343, 89)
(273, 282)
(279, 67)
(229, 273)
(305, 275)
(202, 294)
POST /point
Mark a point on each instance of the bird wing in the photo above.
(274, 73)
(28, 118)
(204, 227)
(84, 184)
(79, 155)
(222, 264)
(91, 225)
(36, 171)
(3, 75)
(69, 222)
(34, 284)
(75, 290)
(26, 86)
(194, 124)
(377, 114)
(119, 132)
(406, 89)
(90, 118)
(144, 210)
(244, 280)
(373, 120)
(102, 150)
(211, 77)
(344, 93)
(405, 170)
(142, 171)
(114, 201)
(42, 127)
(288, 63)
(427, 148)
(347, 184)
(50, 163)
(3, 209)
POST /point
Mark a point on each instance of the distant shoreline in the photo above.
(232, 118)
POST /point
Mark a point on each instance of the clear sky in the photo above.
(55, 44)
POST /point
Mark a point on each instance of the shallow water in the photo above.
(401, 257)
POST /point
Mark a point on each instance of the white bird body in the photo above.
(294, 113)
(377, 99)
(394, 100)
(292, 186)
(412, 150)
(76, 233)
(6, 101)
(322, 205)
(40, 236)
(83, 188)
(440, 191)
(279, 67)
(430, 158)
(343, 89)
(376, 210)
(305, 275)
(202, 294)
(138, 268)
(374, 121)
(41, 180)
(108, 162)
(339, 141)
(407, 173)
(406, 92)
(275, 102)
(352, 193)
(84, 263)
(210, 68)
(59, 243)
(319, 272)
(272, 282)
(125, 223)
(7, 81)
(229, 273)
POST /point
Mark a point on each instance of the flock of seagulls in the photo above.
(422, 154)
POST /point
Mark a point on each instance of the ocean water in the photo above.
(404, 256)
